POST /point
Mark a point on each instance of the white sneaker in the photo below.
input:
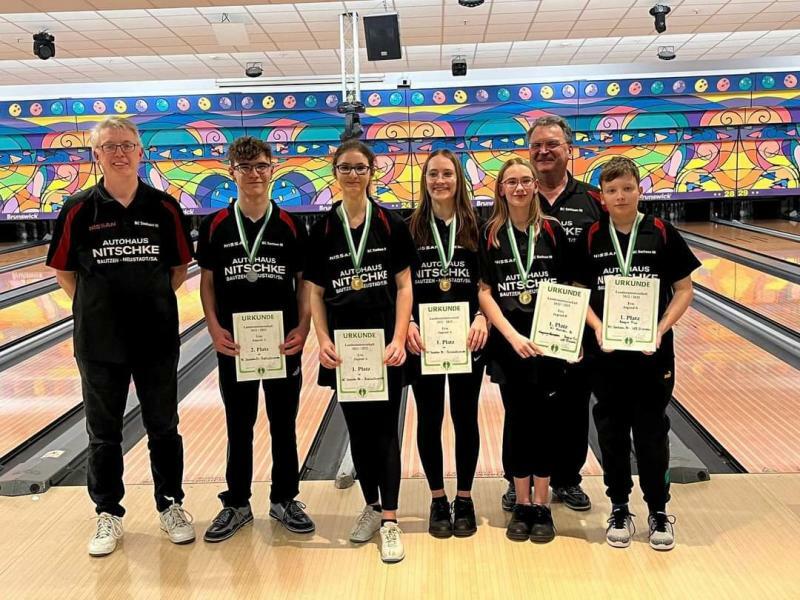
(620, 528)
(392, 550)
(367, 525)
(662, 533)
(109, 530)
(177, 523)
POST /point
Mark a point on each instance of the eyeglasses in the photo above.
(346, 169)
(126, 147)
(259, 168)
(546, 146)
(526, 182)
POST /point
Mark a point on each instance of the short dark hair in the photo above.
(357, 146)
(549, 121)
(619, 166)
(247, 148)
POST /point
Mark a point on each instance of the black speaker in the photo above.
(459, 66)
(382, 35)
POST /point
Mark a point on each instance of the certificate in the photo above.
(362, 373)
(259, 335)
(630, 313)
(559, 319)
(444, 327)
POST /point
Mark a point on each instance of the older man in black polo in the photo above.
(120, 250)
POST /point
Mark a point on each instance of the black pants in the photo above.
(465, 390)
(632, 396)
(105, 393)
(375, 446)
(282, 398)
(528, 429)
(572, 415)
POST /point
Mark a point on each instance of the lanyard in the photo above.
(445, 259)
(523, 270)
(356, 255)
(251, 252)
(626, 263)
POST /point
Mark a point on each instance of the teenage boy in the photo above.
(633, 388)
(251, 257)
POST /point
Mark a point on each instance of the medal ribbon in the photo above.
(445, 259)
(626, 263)
(522, 270)
(250, 252)
(356, 255)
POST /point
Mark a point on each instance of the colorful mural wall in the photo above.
(692, 137)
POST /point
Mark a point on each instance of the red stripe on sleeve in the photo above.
(549, 229)
(288, 220)
(221, 215)
(60, 258)
(592, 230)
(184, 252)
(595, 195)
(662, 229)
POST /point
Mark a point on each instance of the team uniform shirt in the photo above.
(124, 307)
(498, 270)
(389, 251)
(277, 262)
(576, 208)
(660, 253)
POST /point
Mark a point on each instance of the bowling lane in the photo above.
(202, 426)
(47, 385)
(744, 396)
(31, 274)
(490, 424)
(9, 258)
(783, 225)
(771, 296)
(763, 243)
(26, 317)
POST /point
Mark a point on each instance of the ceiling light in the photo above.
(470, 3)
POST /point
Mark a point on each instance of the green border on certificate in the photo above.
(252, 365)
(628, 342)
(551, 340)
(457, 360)
(366, 347)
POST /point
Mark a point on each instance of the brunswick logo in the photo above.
(362, 392)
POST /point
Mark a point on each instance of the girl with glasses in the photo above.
(519, 249)
(360, 278)
(445, 230)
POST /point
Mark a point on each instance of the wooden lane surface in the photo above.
(45, 386)
(784, 225)
(18, 277)
(19, 255)
(744, 396)
(754, 241)
(773, 297)
(490, 424)
(204, 433)
(29, 315)
(736, 539)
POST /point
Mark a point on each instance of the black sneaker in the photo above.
(519, 527)
(542, 529)
(292, 516)
(227, 522)
(464, 524)
(509, 499)
(440, 524)
(573, 496)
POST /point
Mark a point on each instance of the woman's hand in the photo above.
(327, 355)
(478, 333)
(395, 354)
(524, 346)
(414, 340)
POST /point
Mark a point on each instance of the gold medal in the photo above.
(444, 284)
(357, 283)
(525, 297)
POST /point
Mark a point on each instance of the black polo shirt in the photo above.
(124, 307)
(577, 207)
(660, 253)
(277, 262)
(498, 270)
(463, 273)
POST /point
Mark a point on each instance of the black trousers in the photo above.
(375, 446)
(105, 393)
(632, 397)
(572, 414)
(465, 390)
(529, 428)
(282, 397)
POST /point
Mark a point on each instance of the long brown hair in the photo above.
(500, 209)
(467, 232)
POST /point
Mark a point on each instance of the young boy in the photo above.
(634, 388)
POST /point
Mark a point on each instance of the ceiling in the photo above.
(186, 39)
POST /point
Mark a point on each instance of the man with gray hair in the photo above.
(120, 250)
(576, 205)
